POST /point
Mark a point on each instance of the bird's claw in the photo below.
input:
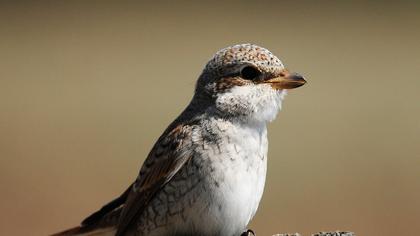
(249, 232)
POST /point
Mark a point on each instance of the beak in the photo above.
(286, 80)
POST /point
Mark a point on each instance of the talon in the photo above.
(249, 232)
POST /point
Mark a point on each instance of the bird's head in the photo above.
(246, 81)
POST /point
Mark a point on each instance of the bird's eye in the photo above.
(249, 73)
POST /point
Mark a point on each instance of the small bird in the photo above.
(205, 175)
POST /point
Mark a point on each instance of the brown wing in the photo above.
(167, 157)
(106, 209)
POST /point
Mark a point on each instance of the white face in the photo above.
(253, 102)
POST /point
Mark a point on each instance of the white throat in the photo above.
(251, 103)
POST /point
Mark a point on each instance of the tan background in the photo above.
(87, 87)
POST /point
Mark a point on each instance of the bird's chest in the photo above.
(234, 174)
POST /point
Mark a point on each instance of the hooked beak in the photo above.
(286, 80)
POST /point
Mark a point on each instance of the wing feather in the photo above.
(167, 157)
(98, 215)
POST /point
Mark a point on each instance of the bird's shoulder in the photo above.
(173, 145)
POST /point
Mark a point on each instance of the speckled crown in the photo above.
(243, 53)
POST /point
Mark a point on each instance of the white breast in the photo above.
(240, 170)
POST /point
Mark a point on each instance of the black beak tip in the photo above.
(296, 76)
(298, 79)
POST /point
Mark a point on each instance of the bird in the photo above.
(205, 174)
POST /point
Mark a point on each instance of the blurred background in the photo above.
(87, 87)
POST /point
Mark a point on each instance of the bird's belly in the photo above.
(216, 193)
(234, 190)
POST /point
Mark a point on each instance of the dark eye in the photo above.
(249, 73)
